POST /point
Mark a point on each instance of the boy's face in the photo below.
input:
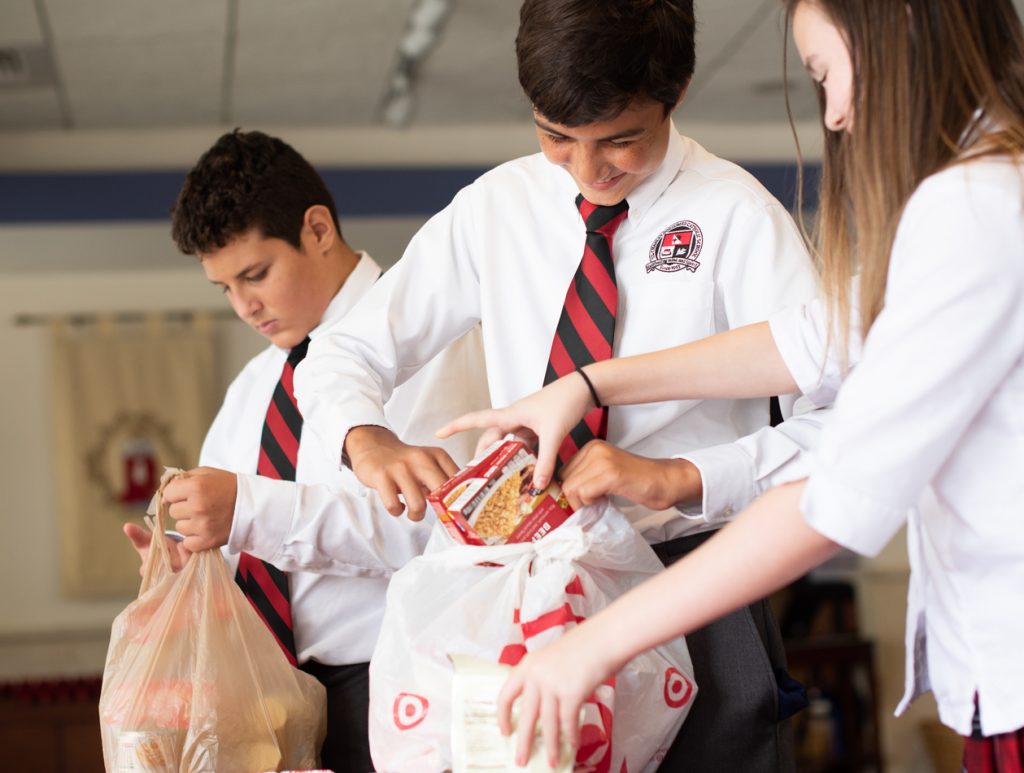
(608, 159)
(279, 291)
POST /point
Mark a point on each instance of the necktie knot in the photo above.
(298, 353)
(602, 219)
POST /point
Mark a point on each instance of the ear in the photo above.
(318, 225)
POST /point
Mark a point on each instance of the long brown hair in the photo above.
(922, 69)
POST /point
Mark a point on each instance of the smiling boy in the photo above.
(676, 244)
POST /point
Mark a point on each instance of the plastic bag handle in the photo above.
(158, 561)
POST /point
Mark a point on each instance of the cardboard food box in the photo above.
(491, 501)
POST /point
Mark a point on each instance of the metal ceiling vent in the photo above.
(422, 33)
(25, 66)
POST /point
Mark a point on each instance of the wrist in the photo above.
(610, 649)
(362, 438)
(684, 482)
(591, 389)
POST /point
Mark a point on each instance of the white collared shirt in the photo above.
(503, 253)
(334, 537)
(929, 425)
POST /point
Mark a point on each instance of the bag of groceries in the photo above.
(195, 682)
(497, 581)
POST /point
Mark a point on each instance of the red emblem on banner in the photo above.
(138, 464)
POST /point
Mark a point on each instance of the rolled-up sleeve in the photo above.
(950, 332)
(801, 336)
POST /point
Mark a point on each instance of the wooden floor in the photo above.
(50, 737)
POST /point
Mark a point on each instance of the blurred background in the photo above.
(105, 104)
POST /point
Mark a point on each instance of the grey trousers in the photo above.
(733, 726)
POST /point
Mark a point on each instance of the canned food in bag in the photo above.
(147, 751)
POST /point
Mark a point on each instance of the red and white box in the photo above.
(492, 501)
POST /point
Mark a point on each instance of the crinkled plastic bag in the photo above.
(196, 683)
(499, 602)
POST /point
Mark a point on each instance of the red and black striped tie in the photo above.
(265, 585)
(586, 329)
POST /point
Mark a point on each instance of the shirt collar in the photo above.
(649, 191)
(365, 273)
(646, 193)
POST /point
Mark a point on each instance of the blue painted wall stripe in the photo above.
(364, 192)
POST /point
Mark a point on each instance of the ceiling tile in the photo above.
(19, 23)
(471, 75)
(128, 20)
(739, 73)
(29, 108)
(171, 81)
(334, 70)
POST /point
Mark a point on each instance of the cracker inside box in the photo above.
(491, 501)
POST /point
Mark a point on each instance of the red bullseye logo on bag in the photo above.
(410, 710)
(678, 688)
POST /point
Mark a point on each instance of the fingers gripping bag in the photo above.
(498, 602)
(195, 682)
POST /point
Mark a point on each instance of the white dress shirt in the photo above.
(929, 425)
(503, 253)
(335, 538)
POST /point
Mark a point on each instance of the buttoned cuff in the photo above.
(848, 515)
(262, 537)
(727, 473)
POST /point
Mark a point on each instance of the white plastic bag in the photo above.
(500, 602)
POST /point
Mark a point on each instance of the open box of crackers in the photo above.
(492, 501)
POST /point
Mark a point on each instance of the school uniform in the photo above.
(928, 430)
(335, 538)
(703, 248)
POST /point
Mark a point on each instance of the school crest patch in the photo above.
(677, 248)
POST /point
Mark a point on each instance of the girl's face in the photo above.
(825, 55)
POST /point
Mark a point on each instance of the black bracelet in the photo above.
(590, 386)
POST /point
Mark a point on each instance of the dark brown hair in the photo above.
(582, 61)
(247, 180)
(922, 69)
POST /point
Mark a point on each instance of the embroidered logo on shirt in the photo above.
(676, 248)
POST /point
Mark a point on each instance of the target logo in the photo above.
(678, 688)
(410, 710)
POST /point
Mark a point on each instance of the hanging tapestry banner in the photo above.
(128, 400)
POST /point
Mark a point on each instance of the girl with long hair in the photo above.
(918, 340)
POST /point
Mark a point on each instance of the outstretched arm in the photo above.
(737, 364)
(767, 547)
(323, 529)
